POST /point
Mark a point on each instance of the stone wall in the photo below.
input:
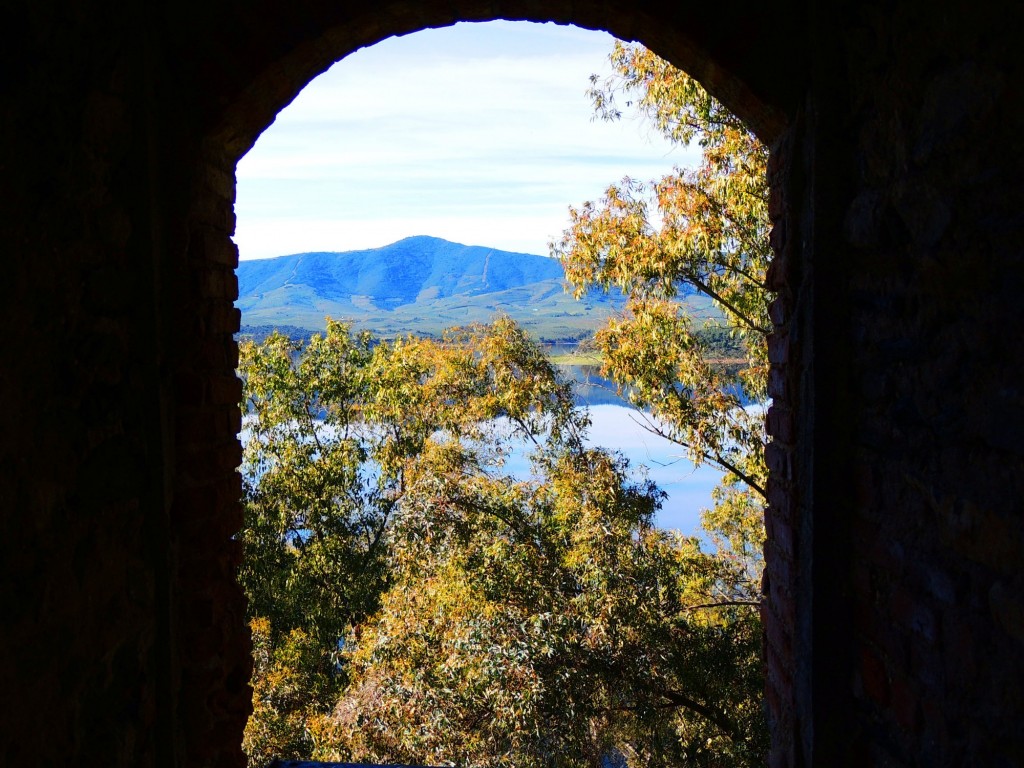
(932, 232)
(894, 617)
(84, 644)
(893, 611)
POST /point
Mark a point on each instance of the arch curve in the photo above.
(893, 609)
(725, 54)
(250, 64)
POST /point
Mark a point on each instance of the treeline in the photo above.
(260, 333)
(721, 343)
(411, 602)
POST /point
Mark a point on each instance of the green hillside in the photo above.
(421, 285)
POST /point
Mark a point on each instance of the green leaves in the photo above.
(482, 619)
(548, 622)
(411, 602)
(702, 230)
(357, 455)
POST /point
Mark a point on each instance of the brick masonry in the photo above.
(893, 610)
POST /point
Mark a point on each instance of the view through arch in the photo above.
(290, 286)
(480, 134)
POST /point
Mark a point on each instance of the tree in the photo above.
(333, 427)
(312, 535)
(703, 230)
(549, 623)
(436, 609)
(503, 621)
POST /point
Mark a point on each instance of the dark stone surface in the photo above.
(894, 617)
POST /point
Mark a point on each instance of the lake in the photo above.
(620, 428)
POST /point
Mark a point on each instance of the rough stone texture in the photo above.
(893, 612)
(932, 224)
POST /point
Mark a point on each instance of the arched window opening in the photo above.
(553, 597)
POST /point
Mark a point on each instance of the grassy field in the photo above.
(545, 312)
(566, 357)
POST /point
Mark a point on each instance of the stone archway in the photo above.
(895, 622)
(687, 37)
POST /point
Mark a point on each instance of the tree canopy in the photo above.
(413, 601)
(483, 619)
(703, 229)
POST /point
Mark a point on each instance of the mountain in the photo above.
(417, 285)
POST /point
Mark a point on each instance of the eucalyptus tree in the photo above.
(414, 601)
(703, 230)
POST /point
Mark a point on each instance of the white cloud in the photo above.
(475, 133)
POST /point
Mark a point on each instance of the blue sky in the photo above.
(478, 133)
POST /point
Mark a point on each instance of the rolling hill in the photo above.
(419, 285)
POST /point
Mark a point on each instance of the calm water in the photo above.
(620, 428)
(688, 487)
(617, 426)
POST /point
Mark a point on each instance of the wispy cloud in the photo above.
(475, 133)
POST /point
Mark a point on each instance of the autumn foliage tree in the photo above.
(478, 618)
(550, 623)
(413, 600)
(702, 229)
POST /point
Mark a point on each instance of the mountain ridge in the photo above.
(419, 284)
(399, 273)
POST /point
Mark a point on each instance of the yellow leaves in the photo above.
(291, 689)
(702, 230)
(430, 679)
(520, 620)
(515, 614)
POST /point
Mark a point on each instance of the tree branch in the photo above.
(709, 713)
